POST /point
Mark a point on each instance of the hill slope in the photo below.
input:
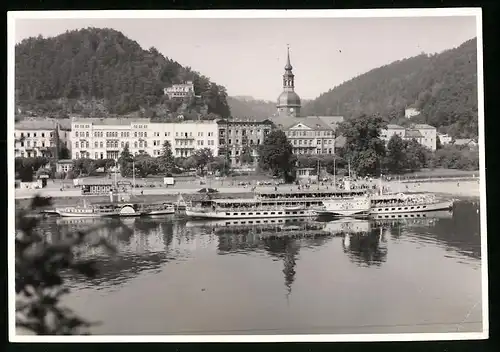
(442, 86)
(242, 107)
(94, 71)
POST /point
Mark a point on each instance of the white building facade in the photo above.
(97, 138)
(35, 138)
(179, 91)
(425, 134)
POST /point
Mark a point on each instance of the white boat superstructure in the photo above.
(159, 209)
(350, 206)
(87, 210)
(245, 209)
(407, 203)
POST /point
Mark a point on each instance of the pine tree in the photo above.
(166, 158)
(124, 160)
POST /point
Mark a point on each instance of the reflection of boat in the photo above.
(73, 221)
(282, 227)
(243, 222)
(347, 226)
(345, 207)
(407, 203)
(437, 214)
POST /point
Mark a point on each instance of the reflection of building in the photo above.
(179, 91)
(367, 248)
(99, 138)
(422, 133)
(239, 135)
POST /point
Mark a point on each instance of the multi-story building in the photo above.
(99, 138)
(411, 112)
(310, 135)
(444, 138)
(422, 133)
(36, 138)
(236, 135)
(179, 91)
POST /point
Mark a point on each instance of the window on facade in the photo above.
(76, 145)
(135, 144)
(77, 155)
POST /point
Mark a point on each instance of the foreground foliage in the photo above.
(276, 155)
(41, 270)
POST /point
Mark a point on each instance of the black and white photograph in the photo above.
(246, 175)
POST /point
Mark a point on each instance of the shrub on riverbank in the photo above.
(39, 268)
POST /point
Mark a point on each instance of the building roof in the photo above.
(313, 122)
(64, 124)
(413, 134)
(331, 121)
(289, 98)
(249, 120)
(109, 120)
(464, 141)
(394, 127)
(46, 125)
(424, 126)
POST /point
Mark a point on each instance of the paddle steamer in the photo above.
(272, 205)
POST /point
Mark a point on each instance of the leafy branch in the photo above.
(41, 268)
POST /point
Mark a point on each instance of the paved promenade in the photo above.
(457, 188)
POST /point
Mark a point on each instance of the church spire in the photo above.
(288, 66)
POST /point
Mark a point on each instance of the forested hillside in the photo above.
(101, 71)
(242, 107)
(442, 86)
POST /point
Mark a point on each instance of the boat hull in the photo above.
(161, 212)
(414, 208)
(248, 214)
(67, 214)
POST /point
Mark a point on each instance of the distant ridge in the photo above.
(443, 87)
(98, 71)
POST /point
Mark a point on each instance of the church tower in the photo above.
(288, 101)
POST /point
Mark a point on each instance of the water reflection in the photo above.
(150, 243)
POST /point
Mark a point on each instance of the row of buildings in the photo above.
(105, 138)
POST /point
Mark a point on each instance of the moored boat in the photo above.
(87, 211)
(408, 203)
(159, 209)
(243, 209)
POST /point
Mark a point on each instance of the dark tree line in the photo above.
(98, 71)
(364, 152)
(442, 86)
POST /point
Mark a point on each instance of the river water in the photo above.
(173, 276)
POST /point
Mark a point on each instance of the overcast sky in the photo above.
(247, 56)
